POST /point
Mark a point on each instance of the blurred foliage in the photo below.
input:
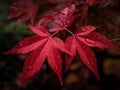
(106, 16)
(9, 26)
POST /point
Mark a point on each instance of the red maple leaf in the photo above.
(43, 46)
(79, 42)
(59, 21)
(23, 10)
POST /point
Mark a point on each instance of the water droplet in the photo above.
(87, 63)
(83, 29)
(90, 41)
(68, 22)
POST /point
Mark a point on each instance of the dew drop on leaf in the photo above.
(83, 29)
(68, 22)
(90, 41)
(87, 63)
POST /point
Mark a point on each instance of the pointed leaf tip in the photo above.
(85, 30)
(39, 30)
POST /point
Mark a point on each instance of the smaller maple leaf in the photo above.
(59, 21)
(42, 46)
(23, 10)
(83, 38)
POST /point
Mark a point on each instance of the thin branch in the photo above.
(69, 31)
(54, 33)
(116, 39)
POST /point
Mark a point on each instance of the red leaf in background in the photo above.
(42, 46)
(23, 10)
(58, 21)
(83, 38)
(94, 2)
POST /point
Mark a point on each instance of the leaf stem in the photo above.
(69, 31)
(116, 39)
(64, 29)
(54, 33)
